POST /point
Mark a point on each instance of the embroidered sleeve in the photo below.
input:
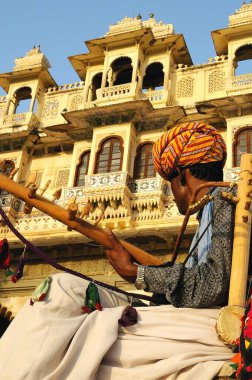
(205, 284)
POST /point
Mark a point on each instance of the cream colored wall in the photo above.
(201, 83)
(50, 165)
(79, 148)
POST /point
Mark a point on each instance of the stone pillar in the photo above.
(167, 69)
(86, 87)
(105, 70)
(32, 103)
(12, 106)
(135, 64)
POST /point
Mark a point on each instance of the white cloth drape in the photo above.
(54, 340)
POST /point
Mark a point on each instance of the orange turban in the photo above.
(185, 145)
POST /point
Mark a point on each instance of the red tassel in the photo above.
(13, 279)
(31, 302)
(42, 297)
(98, 306)
(86, 309)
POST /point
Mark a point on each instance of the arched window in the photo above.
(121, 71)
(144, 167)
(95, 85)
(243, 60)
(22, 100)
(109, 156)
(242, 144)
(154, 77)
(82, 169)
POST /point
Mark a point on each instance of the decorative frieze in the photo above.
(106, 179)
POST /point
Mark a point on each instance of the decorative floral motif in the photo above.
(50, 110)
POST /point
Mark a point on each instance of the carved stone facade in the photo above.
(117, 98)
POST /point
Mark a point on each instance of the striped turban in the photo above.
(185, 145)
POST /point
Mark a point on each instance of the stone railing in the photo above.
(120, 91)
(156, 96)
(106, 180)
(69, 192)
(28, 119)
(241, 81)
(66, 87)
(148, 185)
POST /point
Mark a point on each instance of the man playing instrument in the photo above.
(54, 340)
(187, 156)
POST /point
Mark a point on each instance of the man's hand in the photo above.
(120, 259)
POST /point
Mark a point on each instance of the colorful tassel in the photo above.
(129, 317)
(92, 299)
(41, 291)
(4, 254)
(8, 272)
(19, 269)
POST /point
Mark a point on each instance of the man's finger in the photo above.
(112, 238)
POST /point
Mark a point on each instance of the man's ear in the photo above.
(181, 177)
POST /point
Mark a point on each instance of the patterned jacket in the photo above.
(206, 284)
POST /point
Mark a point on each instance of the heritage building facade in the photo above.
(93, 139)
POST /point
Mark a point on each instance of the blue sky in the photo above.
(62, 26)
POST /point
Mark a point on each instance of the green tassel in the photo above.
(92, 299)
(41, 291)
(8, 272)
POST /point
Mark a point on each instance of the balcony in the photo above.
(125, 92)
(22, 121)
(240, 82)
(157, 96)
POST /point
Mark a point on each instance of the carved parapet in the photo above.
(158, 96)
(66, 87)
(240, 82)
(148, 198)
(128, 24)
(122, 91)
(28, 119)
(34, 58)
(242, 16)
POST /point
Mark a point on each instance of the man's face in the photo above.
(181, 195)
